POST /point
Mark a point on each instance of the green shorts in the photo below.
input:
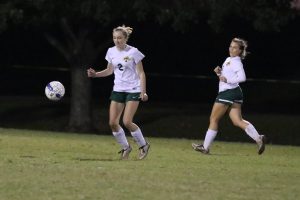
(122, 97)
(230, 96)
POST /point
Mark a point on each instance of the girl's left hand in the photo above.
(144, 97)
(91, 72)
(223, 79)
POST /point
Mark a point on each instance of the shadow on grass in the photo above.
(224, 154)
(27, 156)
(227, 154)
(96, 159)
(105, 159)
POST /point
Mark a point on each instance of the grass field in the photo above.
(38, 165)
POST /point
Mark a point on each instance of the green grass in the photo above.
(37, 165)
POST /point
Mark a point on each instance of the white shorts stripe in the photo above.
(224, 100)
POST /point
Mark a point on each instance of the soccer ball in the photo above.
(55, 90)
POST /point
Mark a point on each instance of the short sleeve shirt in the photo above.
(124, 66)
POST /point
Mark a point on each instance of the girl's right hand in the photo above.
(91, 72)
(218, 70)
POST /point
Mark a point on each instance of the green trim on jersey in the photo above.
(230, 96)
(122, 97)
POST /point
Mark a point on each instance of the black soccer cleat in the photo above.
(261, 144)
(200, 148)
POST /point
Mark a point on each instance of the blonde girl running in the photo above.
(230, 98)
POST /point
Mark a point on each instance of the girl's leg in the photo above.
(129, 112)
(217, 113)
(236, 118)
(115, 112)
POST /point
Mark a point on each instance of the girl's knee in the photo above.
(127, 123)
(236, 123)
(213, 120)
(239, 123)
(113, 125)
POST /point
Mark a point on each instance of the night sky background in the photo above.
(25, 54)
(273, 55)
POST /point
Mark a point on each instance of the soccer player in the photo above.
(129, 89)
(230, 98)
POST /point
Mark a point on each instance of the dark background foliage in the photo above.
(44, 40)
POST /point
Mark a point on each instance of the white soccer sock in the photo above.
(209, 138)
(138, 137)
(121, 138)
(252, 132)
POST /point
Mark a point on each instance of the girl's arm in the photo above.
(106, 72)
(239, 77)
(141, 73)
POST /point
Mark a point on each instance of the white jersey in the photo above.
(124, 66)
(233, 71)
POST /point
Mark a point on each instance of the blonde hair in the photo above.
(126, 30)
(243, 44)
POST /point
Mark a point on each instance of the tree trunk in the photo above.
(79, 51)
(80, 110)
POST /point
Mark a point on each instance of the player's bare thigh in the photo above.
(129, 112)
(115, 111)
(218, 111)
(235, 114)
